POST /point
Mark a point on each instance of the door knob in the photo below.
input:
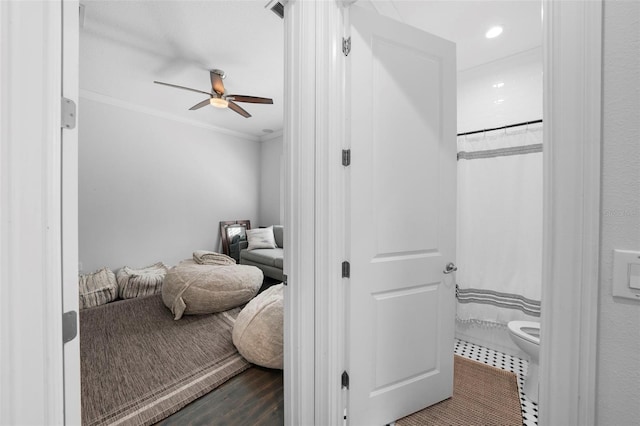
(451, 267)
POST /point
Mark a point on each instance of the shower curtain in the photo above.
(499, 226)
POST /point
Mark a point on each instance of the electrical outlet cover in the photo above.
(626, 274)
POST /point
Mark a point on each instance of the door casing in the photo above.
(69, 205)
(31, 359)
(572, 105)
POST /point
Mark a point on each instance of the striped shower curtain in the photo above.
(499, 243)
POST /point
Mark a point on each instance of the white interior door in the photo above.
(401, 306)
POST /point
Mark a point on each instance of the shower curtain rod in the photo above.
(524, 123)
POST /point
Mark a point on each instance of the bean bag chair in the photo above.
(258, 330)
(190, 288)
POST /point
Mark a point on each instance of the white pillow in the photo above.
(261, 238)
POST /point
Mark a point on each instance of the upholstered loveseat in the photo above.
(269, 260)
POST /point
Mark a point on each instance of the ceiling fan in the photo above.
(218, 97)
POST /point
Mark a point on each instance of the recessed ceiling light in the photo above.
(498, 85)
(498, 101)
(494, 32)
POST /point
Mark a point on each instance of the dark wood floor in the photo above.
(255, 397)
(268, 282)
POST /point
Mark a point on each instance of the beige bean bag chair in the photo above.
(257, 333)
(190, 288)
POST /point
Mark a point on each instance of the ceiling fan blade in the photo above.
(251, 99)
(216, 83)
(185, 88)
(200, 105)
(237, 108)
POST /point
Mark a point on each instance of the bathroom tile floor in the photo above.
(505, 362)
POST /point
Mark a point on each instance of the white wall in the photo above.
(155, 189)
(271, 189)
(521, 95)
(618, 376)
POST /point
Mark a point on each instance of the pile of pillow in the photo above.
(103, 286)
(210, 285)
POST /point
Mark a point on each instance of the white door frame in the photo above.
(31, 358)
(70, 302)
(299, 216)
(314, 188)
(571, 235)
(572, 40)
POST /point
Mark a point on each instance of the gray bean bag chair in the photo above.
(190, 288)
(257, 333)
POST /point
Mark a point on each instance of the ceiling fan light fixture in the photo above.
(217, 97)
(219, 102)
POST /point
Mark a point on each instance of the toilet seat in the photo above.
(526, 330)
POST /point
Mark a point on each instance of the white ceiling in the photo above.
(466, 22)
(126, 45)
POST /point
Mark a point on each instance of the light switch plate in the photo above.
(626, 274)
(634, 276)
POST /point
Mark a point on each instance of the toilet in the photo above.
(526, 334)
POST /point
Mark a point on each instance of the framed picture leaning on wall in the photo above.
(233, 235)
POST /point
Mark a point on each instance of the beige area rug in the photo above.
(138, 365)
(482, 395)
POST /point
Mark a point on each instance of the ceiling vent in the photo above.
(277, 7)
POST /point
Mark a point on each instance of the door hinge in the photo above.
(346, 46)
(284, 280)
(346, 157)
(346, 269)
(69, 326)
(68, 113)
(345, 380)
